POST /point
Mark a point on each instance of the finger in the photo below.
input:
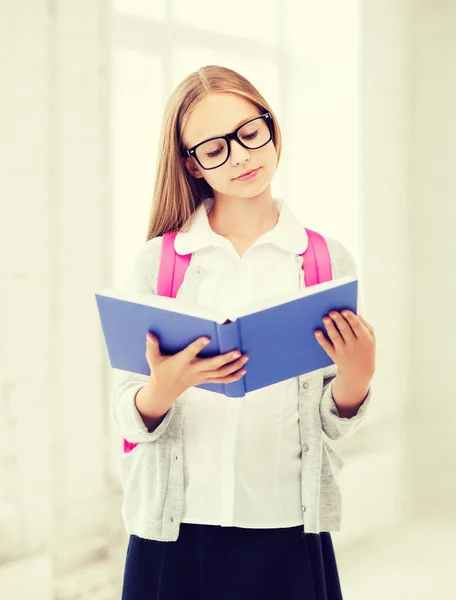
(343, 326)
(192, 350)
(228, 379)
(325, 344)
(333, 332)
(366, 324)
(227, 369)
(357, 323)
(215, 362)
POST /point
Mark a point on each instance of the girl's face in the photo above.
(219, 114)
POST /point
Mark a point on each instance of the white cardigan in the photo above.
(152, 474)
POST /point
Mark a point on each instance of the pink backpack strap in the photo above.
(316, 259)
(172, 267)
(170, 277)
(316, 265)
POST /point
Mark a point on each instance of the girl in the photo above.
(233, 498)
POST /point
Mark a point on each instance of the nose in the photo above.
(238, 153)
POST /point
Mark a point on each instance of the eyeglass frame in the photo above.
(231, 136)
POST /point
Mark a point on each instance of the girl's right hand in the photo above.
(171, 375)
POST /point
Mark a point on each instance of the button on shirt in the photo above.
(243, 455)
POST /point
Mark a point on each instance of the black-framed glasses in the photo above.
(214, 152)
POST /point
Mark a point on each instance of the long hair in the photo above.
(177, 194)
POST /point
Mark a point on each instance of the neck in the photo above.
(243, 218)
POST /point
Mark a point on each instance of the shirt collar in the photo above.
(288, 233)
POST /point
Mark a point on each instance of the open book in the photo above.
(277, 333)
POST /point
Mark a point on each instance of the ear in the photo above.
(193, 168)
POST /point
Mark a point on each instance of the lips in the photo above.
(246, 173)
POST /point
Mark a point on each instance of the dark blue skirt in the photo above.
(209, 562)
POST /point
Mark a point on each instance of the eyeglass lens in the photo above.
(213, 153)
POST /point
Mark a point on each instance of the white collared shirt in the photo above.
(243, 465)
(152, 474)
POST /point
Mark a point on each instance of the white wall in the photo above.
(55, 218)
(431, 430)
(376, 484)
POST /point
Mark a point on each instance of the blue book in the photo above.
(276, 333)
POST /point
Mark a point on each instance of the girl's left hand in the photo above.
(353, 344)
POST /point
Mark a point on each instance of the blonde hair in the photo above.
(177, 194)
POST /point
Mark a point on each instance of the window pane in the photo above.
(254, 20)
(136, 119)
(262, 74)
(155, 9)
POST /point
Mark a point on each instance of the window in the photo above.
(153, 52)
(153, 9)
(137, 105)
(253, 21)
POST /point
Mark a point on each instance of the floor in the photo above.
(415, 562)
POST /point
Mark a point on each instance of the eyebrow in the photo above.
(235, 127)
(245, 121)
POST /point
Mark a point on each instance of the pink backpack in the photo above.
(316, 265)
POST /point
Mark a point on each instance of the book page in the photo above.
(177, 305)
(272, 301)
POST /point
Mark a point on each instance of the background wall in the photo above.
(364, 92)
(431, 423)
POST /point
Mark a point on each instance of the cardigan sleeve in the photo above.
(141, 279)
(333, 425)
